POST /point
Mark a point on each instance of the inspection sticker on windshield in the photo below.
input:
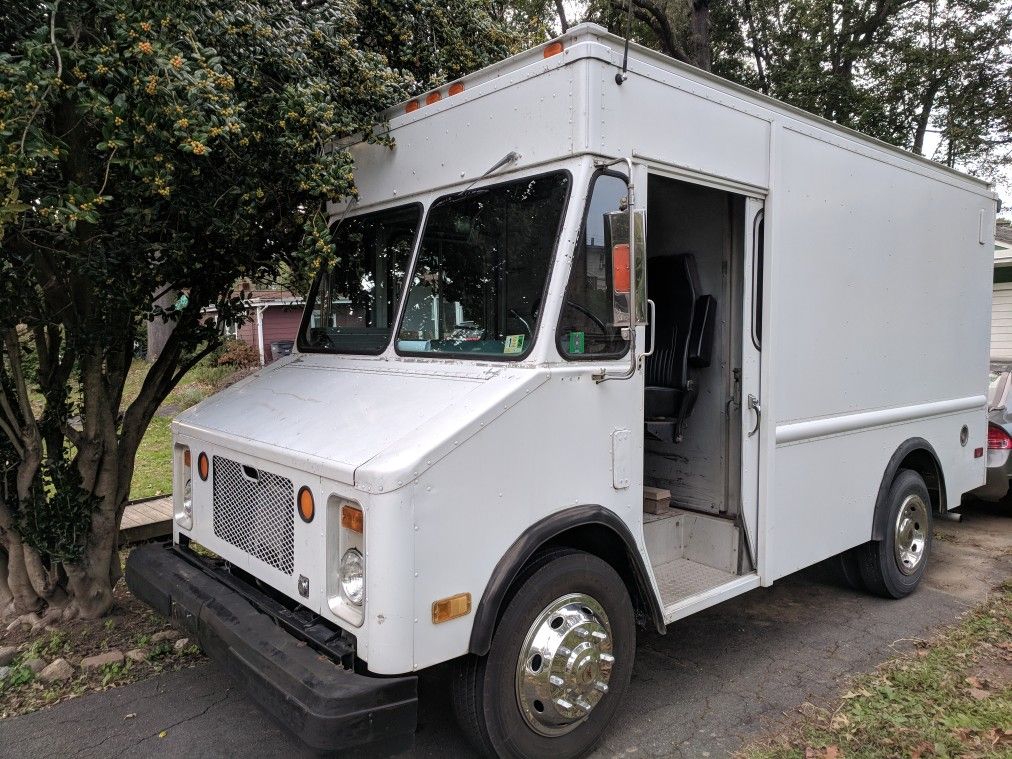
(577, 341)
(514, 344)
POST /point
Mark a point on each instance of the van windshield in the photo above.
(482, 266)
(353, 304)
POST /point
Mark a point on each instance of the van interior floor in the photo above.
(691, 553)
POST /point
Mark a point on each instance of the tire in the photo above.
(848, 567)
(893, 573)
(550, 595)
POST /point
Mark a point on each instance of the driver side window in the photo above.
(586, 325)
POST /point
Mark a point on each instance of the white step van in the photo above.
(603, 346)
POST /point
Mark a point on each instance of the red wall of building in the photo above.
(280, 323)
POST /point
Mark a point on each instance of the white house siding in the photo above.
(1001, 321)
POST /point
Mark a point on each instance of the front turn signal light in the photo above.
(446, 609)
(307, 507)
(203, 466)
(352, 519)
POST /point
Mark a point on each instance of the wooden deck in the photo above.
(147, 520)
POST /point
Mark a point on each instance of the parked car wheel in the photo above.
(892, 567)
(559, 664)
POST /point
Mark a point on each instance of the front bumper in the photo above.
(327, 706)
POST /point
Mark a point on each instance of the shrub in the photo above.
(238, 354)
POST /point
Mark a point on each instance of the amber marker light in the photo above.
(186, 457)
(412, 106)
(307, 507)
(351, 518)
(433, 97)
(203, 466)
(446, 609)
(456, 88)
(553, 49)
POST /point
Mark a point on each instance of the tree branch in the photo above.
(59, 73)
(108, 165)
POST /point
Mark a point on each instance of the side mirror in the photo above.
(628, 265)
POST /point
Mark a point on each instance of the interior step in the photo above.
(681, 579)
(699, 538)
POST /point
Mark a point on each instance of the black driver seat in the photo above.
(684, 339)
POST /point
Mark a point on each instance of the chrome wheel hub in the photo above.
(565, 664)
(911, 534)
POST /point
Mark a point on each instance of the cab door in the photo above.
(751, 359)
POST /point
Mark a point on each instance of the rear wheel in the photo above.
(848, 566)
(893, 567)
(560, 661)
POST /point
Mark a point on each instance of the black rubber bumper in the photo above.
(325, 705)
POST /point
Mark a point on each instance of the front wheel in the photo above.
(560, 661)
(893, 567)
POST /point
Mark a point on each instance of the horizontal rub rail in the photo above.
(836, 425)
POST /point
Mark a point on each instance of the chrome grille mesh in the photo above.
(254, 510)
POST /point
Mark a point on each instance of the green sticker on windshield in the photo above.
(514, 344)
(576, 342)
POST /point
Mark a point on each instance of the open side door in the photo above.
(751, 355)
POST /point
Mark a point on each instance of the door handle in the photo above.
(753, 403)
(653, 328)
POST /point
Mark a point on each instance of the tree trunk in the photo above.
(6, 597)
(561, 10)
(699, 29)
(924, 116)
(158, 329)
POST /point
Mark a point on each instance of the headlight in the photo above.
(184, 516)
(353, 576)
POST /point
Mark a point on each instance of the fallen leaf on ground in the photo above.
(829, 752)
(999, 737)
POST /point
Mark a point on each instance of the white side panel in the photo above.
(882, 289)
(880, 299)
(473, 504)
(825, 489)
(668, 118)
(462, 137)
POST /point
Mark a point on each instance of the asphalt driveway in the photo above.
(715, 680)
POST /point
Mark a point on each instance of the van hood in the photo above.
(372, 423)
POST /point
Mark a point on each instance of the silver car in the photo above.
(999, 435)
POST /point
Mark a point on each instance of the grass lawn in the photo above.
(153, 468)
(951, 697)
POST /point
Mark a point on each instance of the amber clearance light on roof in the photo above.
(553, 48)
(456, 88)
